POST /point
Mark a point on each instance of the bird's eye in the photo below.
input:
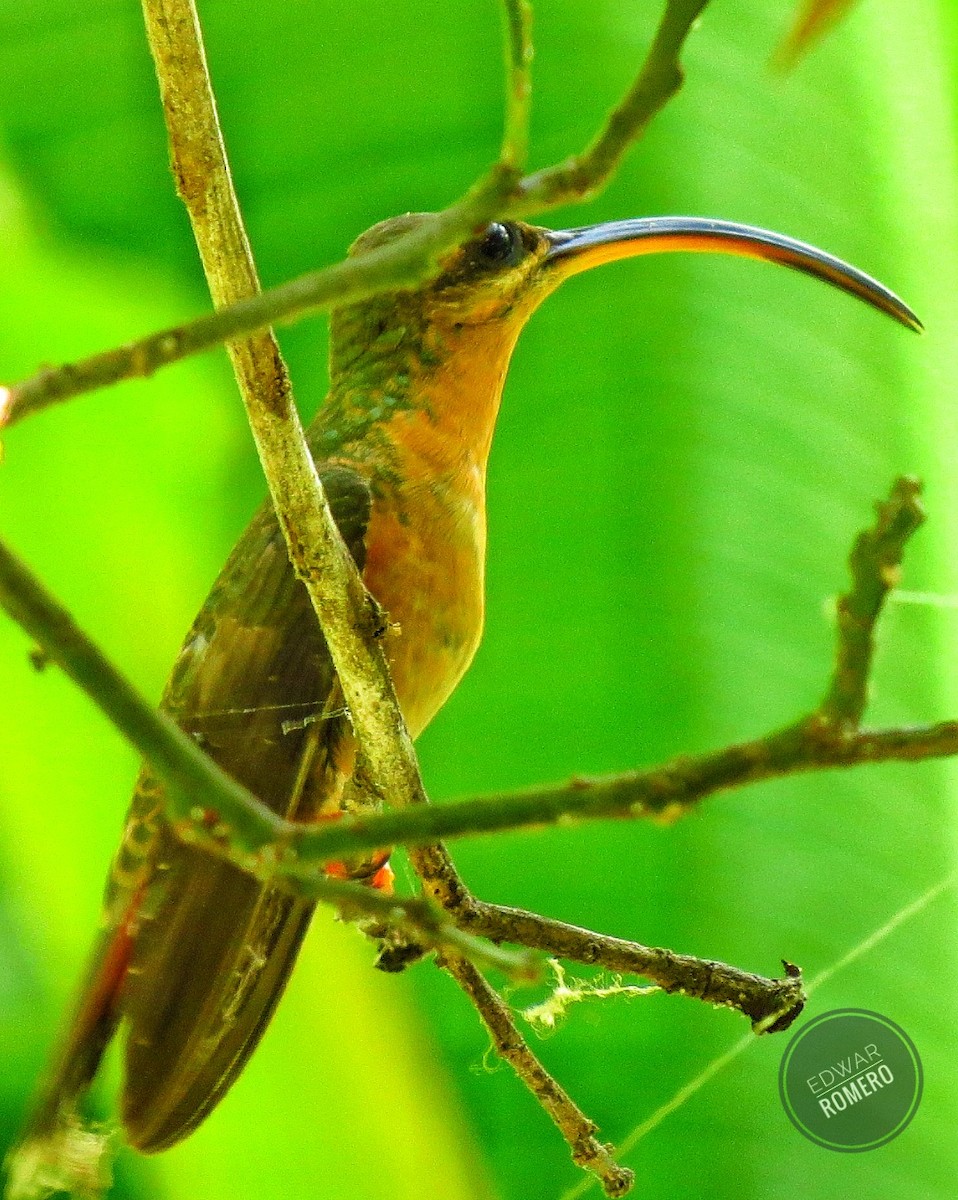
(500, 246)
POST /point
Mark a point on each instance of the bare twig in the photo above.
(755, 996)
(585, 174)
(663, 793)
(770, 1004)
(515, 138)
(402, 263)
(587, 1151)
(408, 260)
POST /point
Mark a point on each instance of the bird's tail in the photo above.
(56, 1152)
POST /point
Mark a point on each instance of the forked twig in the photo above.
(829, 737)
(409, 260)
(585, 174)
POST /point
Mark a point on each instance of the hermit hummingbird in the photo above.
(194, 954)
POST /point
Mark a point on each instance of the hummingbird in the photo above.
(193, 954)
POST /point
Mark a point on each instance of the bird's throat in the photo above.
(413, 398)
(414, 411)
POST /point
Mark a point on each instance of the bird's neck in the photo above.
(413, 406)
(425, 390)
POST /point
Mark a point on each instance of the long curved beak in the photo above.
(575, 250)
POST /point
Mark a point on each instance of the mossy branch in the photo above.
(829, 737)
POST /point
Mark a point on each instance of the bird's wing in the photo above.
(255, 685)
(196, 953)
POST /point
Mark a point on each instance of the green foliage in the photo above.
(721, 428)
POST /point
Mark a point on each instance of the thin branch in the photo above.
(409, 260)
(197, 786)
(587, 1151)
(661, 76)
(716, 983)
(875, 565)
(515, 138)
(349, 618)
(663, 793)
(770, 1004)
(404, 263)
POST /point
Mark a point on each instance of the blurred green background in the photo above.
(686, 448)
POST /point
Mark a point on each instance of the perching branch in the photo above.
(349, 618)
(409, 260)
(814, 742)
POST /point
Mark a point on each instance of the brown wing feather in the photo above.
(255, 685)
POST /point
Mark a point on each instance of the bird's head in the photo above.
(445, 346)
(509, 268)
